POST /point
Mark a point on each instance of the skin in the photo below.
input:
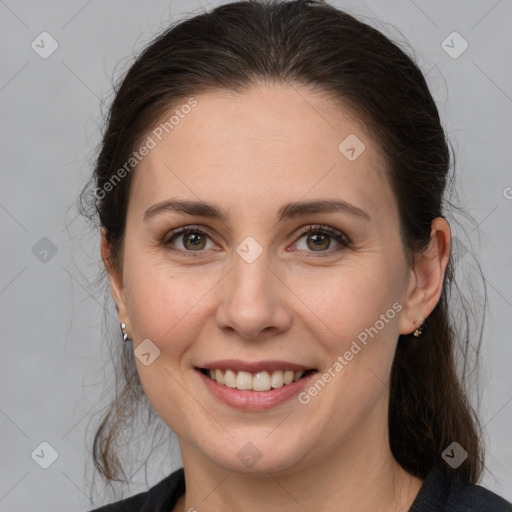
(248, 154)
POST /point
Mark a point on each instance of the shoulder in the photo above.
(159, 498)
(449, 492)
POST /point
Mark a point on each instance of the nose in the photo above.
(253, 301)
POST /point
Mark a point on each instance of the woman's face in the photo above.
(293, 260)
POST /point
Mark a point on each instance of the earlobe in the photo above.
(426, 278)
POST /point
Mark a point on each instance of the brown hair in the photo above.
(312, 44)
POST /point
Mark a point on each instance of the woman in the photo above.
(270, 189)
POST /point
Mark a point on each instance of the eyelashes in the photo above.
(199, 233)
(203, 240)
(331, 233)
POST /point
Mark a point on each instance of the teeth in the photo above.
(262, 381)
(244, 380)
(219, 377)
(229, 379)
(288, 377)
(298, 375)
(277, 379)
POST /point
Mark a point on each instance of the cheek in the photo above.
(356, 301)
(166, 308)
(354, 318)
(163, 304)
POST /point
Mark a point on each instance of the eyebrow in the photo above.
(288, 211)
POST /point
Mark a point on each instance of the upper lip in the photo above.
(254, 367)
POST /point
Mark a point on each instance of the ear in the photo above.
(115, 278)
(426, 278)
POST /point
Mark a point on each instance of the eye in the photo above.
(321, 239)
(190, 239)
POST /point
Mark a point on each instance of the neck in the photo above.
(360, 475)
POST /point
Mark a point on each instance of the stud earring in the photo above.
(419, 330)
(123, 327)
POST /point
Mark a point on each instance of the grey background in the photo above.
(52, 351)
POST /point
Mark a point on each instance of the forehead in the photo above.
(280, 142)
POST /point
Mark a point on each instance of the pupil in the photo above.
(319, 241)
(194, 239)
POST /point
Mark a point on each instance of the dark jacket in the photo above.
(441, 492)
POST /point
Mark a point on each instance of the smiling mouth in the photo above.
(261, 381)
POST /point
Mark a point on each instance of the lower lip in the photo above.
(255, 400)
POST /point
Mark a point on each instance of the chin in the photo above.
(258, 454)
